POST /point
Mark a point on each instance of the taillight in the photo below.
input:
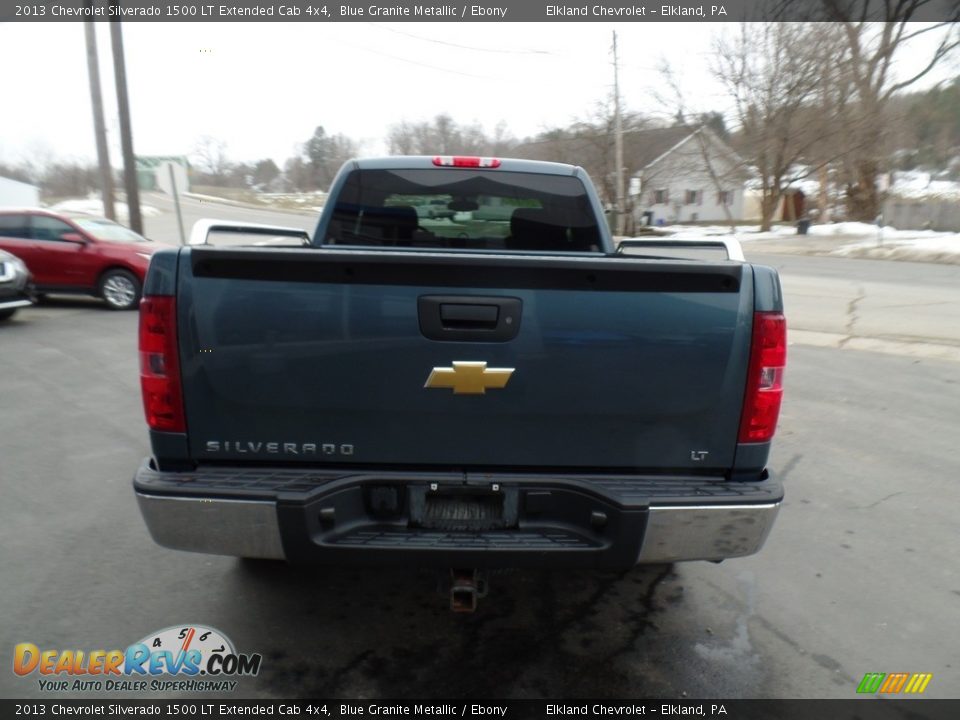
(768, 357)
(465, 161)
(159, 364)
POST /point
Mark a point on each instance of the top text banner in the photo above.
(493, 11)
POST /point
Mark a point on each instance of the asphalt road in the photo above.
(859, 575)
(165, 228)
(906, 308)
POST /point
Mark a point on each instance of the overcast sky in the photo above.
(263, 88)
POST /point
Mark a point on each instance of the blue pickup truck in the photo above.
(494, 386)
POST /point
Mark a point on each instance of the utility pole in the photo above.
(99, 127)
(618, 138)
(126, 138)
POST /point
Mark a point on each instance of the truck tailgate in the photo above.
(322, 356)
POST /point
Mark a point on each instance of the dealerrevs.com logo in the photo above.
(178, 658)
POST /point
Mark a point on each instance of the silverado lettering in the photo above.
(274, 448)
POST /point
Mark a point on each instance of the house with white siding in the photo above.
(686, 175)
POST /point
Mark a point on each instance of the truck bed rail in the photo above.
(731, 246)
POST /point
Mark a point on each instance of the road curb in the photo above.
(896, 254)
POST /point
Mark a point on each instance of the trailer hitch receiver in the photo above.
(466, 587)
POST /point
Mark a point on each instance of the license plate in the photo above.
(463, 511)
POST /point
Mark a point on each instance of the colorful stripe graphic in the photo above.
(891, 683)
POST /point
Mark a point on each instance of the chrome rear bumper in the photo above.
(251, 528)
(706, 532)
(243, 528)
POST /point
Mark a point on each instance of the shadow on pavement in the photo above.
(389, 634)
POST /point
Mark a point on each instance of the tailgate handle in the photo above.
(469, 318)
(461, 315)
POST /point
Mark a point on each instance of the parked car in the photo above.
(79, 253)
(435, 210)
(16, 290)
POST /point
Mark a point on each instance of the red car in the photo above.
(78, 253)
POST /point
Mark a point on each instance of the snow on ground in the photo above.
(303, 200)
(918, 184)
(922, 246)
(94, 206)
(279, 201)
(845, 239)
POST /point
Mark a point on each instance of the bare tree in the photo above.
(589, 142)
(772, 72)
(502, 140)
(38, 157)
(211, 156)
(22, 173)
(872, 50)
(401, 138)
(69, 178)
(296, 174)
(444, 136)
(595, 139)
(553, 144)
(835, 113)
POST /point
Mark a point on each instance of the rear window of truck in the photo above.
(463, 208)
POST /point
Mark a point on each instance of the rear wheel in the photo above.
(120, 289)
(6, 314)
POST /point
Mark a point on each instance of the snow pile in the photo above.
(843, 239)
(299, 201)
(683, 232)
(806, 181)
(913, 184)
(906, 184)
(913, 245)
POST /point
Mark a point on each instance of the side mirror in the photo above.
(73, 237)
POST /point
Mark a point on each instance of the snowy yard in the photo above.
(845, 239)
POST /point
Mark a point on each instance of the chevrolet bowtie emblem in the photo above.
(468, 378)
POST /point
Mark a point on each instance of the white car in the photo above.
(16, 288)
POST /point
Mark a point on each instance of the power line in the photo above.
(415, 62)
(464, 47)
